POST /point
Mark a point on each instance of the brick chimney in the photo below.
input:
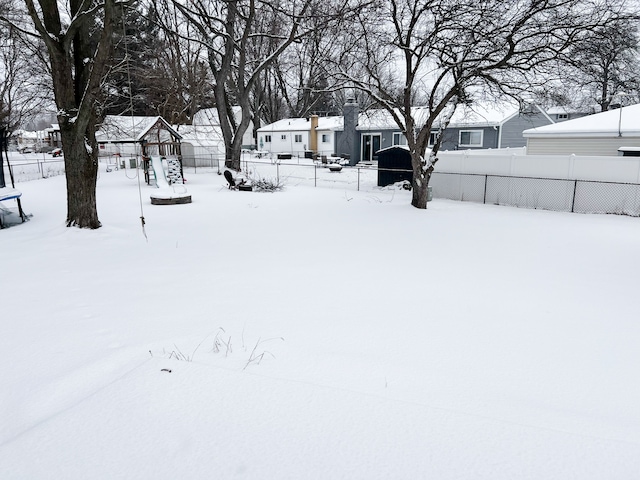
(313, 134)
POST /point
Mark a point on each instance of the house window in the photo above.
(470, 138)
(432, 138)
(563, 116)
(267, 139)
(298, 138)
(399, 139)
(325, 138)
(283, 137)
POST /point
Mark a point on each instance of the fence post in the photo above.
(315, 175)
(358, 178)
(278, 172)
(573, 200)
(484, 200)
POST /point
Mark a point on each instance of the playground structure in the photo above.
(149, 143)
(170, 184)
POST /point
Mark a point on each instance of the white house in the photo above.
(598, 134)
(300, 135)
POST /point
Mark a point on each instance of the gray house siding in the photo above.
(513, 128)
(347, 141)
(451, 139)
(589, 146)
(386, 140)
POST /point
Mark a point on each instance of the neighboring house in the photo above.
(131, 136)
(208, 117)
(291, 135)
(491, 125)
(360, 135)
(26, 141)
(598, 134)
(298, 136)
(37, 141)
(562, 114)
(479, 126)
(326, 134)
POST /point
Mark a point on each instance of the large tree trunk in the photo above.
(421, 178)
(420, 188)
(81, 167)
(79, 54)
(233, 155)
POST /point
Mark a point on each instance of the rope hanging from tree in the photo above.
(133, 123)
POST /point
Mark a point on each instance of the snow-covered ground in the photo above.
(316, 333)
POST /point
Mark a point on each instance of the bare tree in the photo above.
(441, 53)
(302, 74)
(23, 89)
(243, 39)
(78, 38)
(156, 69)
(605, 62)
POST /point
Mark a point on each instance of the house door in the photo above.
(370, 146)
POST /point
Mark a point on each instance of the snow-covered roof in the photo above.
(394, 147)
(612, 123)
(480, 114)
(26, 134)
(123, 129)
(330, 123)
(560, 110)
(201, 135)
(302, 124)
(288, 125)
(484, 114)
(209, 116)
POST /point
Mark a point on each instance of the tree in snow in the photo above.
(605, 62)
(78, 38)
(156, 69)
(243, 39)
(23, 88)
(441, 53)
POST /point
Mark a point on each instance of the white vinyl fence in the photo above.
(563, 183)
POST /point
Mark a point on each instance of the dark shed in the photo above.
(394, 165)
(629, 152)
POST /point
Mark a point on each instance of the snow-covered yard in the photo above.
(316, 333)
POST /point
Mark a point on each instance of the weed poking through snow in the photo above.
(222, 345)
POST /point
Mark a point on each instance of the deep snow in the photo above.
(316, 333)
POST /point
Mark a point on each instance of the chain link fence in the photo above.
(580, 196)
(26, 170)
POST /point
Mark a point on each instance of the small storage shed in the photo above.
(394, 165)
